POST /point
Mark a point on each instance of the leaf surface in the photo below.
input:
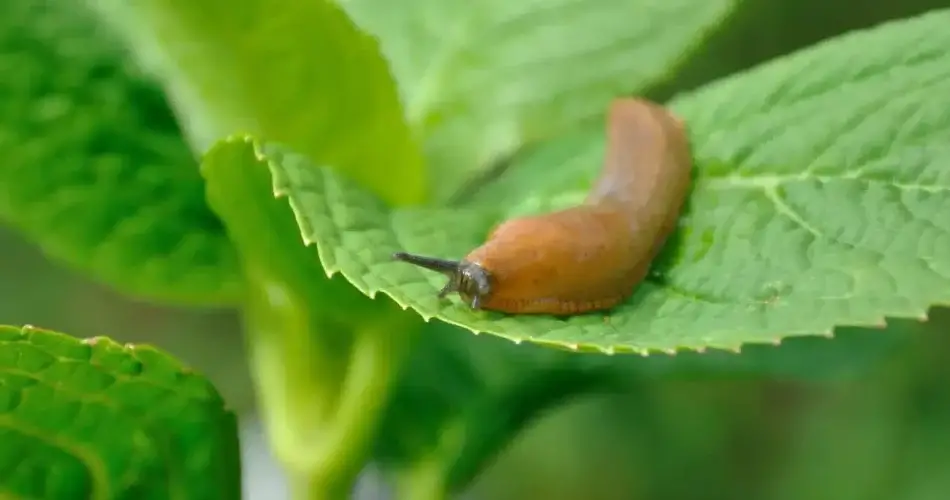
(94, 168)
(822, 184)
(94, 419)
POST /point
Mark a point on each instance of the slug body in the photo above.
(592, 256)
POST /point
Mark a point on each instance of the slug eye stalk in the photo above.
(471, 281)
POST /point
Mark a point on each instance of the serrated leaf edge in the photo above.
(776, 341)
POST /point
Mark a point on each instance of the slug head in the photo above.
(471, 281)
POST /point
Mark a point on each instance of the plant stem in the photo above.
(320, 413)
(424, 481)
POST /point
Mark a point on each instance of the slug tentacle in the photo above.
(470, 280)
(444, 266)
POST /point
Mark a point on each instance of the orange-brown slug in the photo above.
(592, 256)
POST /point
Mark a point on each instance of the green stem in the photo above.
(365, 392)
(305, 486)
(424, 481)
(320, 421)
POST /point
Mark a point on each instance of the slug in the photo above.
(589, 257)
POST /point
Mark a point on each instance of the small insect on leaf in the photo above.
(592, 256)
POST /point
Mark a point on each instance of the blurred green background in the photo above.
(883, 433)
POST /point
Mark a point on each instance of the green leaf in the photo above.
(299, 73)
(438, 437)
(821, 189)
(850, 355)
(94, 169)
(481, 79)
(94, 419)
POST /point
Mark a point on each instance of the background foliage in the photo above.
(72, 99)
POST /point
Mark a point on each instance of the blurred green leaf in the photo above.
(94, 169)
(299, 73)
(480, 79)
(463, 399)
(818, 203)
(93, 419)
(850, 354)
(886, 433)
